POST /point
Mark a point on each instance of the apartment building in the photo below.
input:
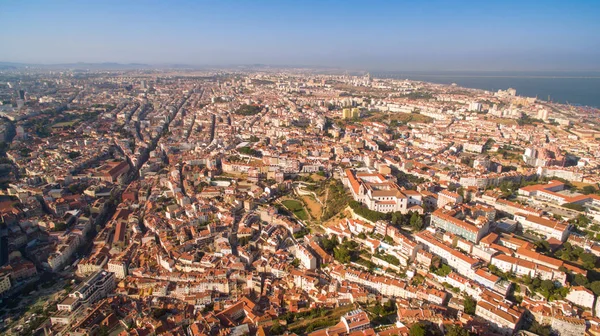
(118, 267)
(307, 259)
(455, 259)
(64, 250)
(94, 288)
(504, 317)
(446, 197)
(449, 220)
(581, 296)
(547, 227)
(5, 284)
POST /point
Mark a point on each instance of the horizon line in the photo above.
(314, 66)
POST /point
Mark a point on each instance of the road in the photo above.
(132, 176)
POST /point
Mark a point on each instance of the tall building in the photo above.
(475, 107)
(349, 113)
(22, 94)
(346, 113)
(118, 267)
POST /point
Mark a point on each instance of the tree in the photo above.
(443, 270)
(588, 190)
(103, 331)
(574, 206)
(341, 254)
(547, 285)
(365, 212)
(276, 328)
(249, 151)
(540, 329)
(377, 310)
(362, 235)
(595, 287)
(330, 244)
(248, 110)
(469, 305)
(455, 330)
(579, 280)
(461, 192)
(416, 222)
(159, 313)
(389, 307)
(418, 329)
(581, 220)
(589, 260)
(542, 246)
(398, 219)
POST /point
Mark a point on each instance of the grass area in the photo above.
(297, 208)
(327, 319)
(337, 199)
(313, 206)
(317, 177)
(503, 121)
(400, 118)
(65, 124)
(580, 185)
(345, 213)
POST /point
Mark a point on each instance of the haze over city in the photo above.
(316, 168)
(378, 35)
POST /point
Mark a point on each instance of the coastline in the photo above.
(569, 88)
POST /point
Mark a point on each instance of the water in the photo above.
(576, 88)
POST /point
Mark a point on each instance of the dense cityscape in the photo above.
(293, 202)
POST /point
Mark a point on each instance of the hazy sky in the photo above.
(390, 35)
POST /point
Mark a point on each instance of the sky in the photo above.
(372, 35)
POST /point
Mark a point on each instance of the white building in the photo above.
(581, 296)
(455, 259)
(94, 288)
(307, 259)
(548, 227)
(118, 267)
(375, 191)
(504, 316)
(474, 106)
(446, 196)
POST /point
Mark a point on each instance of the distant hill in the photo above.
(77, 66)
(142, 66)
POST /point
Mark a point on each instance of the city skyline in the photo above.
(282, 168)
(380, 36)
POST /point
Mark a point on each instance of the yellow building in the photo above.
(346, 113)
(349, 113)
